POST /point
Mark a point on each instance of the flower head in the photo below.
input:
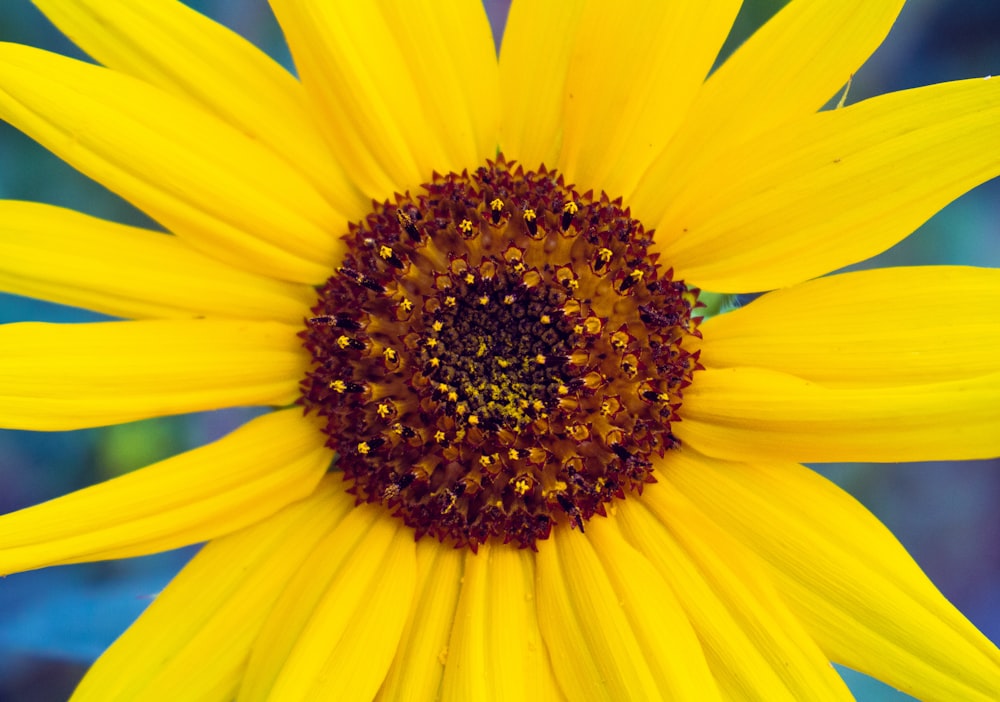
(507, 458)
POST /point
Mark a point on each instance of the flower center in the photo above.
(497, 355)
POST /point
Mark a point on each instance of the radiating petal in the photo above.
(662, 627)
(753, 413)
(402, 90)
(336, 627)
(787, 69)
(63, 256)
(757, 649)
(168, 44)
(831, 189)
(221, 190)
(892, 326)
(851, 583)
(534, 63)
(633, 74)
(597, 647)
(418, 668)
(496, 649)
(192, 497)
(193, 640)
(55, 377)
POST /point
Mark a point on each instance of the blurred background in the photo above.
(55, 622)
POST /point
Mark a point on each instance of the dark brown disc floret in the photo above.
(498, 354)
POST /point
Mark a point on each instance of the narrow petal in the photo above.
(534, 64)
(55, 377)
(168, 44)
(831, 189)
(193, 641)
(661, 625)
(596, 646)
(403, 90)
(757, 649)
(418, 668)
(228, 195)
(63, 256)
(623, 102)
(496, 649)
(749, 413)
(789, 68)
(336, 628)
(192, 497)
(852, 584)
(893, 326)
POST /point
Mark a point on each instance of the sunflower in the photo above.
(509, 455)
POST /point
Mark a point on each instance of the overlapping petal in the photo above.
(496, 649)
(403, 89)
(56, 377)
(605, 641)
(418, 668)
(754, 413)
(531, 100)
(64, 256)
(849, 581)
(622, 104)
(173, 47)
(755, 646)
(195, 496)
(831, 189)
(335, 629)
(869, 329)
(206, 181)
(787, 69)
(193, 640)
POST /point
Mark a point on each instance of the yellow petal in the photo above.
(55, 377)
(534, 62)
(173, 47)
(221, 190)
(496, 650)
(63, 256)
(597, 648)
(665, 633)
(398, 86)
(418, 668)
(893, 326)
(192, 497)
(831, 189)
(193, 640)
(789, 68)
(751, 413)
(336, 628)
(851, 583)
(757, 649)
(633, 73)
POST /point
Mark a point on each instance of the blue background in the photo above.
(54, 622)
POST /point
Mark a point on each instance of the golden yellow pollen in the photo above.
(498, 356)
